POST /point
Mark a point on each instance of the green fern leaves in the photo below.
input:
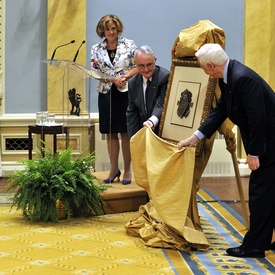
(57, 178)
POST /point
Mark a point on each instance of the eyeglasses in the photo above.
(148, 66)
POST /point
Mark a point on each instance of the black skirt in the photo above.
(112, 111)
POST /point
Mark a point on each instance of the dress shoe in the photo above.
(272, 246)
(240, 251)
(126, 182)
(117, 175)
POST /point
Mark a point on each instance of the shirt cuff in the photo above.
(155, 120)
(199, 134)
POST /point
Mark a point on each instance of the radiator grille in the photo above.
(16, 144)
(219, 169)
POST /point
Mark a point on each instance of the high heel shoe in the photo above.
(117, 175)
(126, 182)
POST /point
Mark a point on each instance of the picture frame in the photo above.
(188, 101)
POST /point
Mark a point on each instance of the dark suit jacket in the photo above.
(249, 102)
(136, 113)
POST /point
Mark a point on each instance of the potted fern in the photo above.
(56, 182)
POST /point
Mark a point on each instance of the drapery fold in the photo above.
(189, 40)
(166, 173)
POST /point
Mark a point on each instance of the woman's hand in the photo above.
(120, 81)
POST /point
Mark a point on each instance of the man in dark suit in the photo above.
(146, 92)
(248, 101)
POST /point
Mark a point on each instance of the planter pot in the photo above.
(61, 212)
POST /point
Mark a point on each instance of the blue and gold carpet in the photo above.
(6, 198)
(99, 245)
(223, 228)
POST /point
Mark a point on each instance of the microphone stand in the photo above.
(59, 47)
(76, 54)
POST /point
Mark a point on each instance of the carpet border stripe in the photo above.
(237, 223)
(178, 265)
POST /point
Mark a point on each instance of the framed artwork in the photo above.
(188, 101)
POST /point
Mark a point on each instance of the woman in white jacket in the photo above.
(114, 56)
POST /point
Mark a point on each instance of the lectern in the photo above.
(68, 96)
(69, 87)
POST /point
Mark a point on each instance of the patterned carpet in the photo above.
(5, 198)
(224, 228)
(99, 245)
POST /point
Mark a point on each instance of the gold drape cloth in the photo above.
(166, 173)
(186, 44)
(191, 39)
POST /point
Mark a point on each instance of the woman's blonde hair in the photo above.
(103, 23)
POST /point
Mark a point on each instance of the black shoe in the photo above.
(272, 246)
(240, 251)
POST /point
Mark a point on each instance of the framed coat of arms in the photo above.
(188, 101)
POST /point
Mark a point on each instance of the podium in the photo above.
(68, 96)
(66, 76)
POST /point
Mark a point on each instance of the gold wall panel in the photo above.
(259, 42)
(259, 38)
(66, 22)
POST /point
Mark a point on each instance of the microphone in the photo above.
(76, 54)
(61, 46)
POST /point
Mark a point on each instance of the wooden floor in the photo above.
(225, 188)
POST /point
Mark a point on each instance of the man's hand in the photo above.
(191, 142)
(253, 162)
(148, 123)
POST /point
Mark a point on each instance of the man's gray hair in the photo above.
(144, 49)
(213, 53)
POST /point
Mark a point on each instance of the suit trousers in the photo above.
(261, 207)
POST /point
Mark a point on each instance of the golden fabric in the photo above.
(166, 173)
(186, 44)
(191, 39)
